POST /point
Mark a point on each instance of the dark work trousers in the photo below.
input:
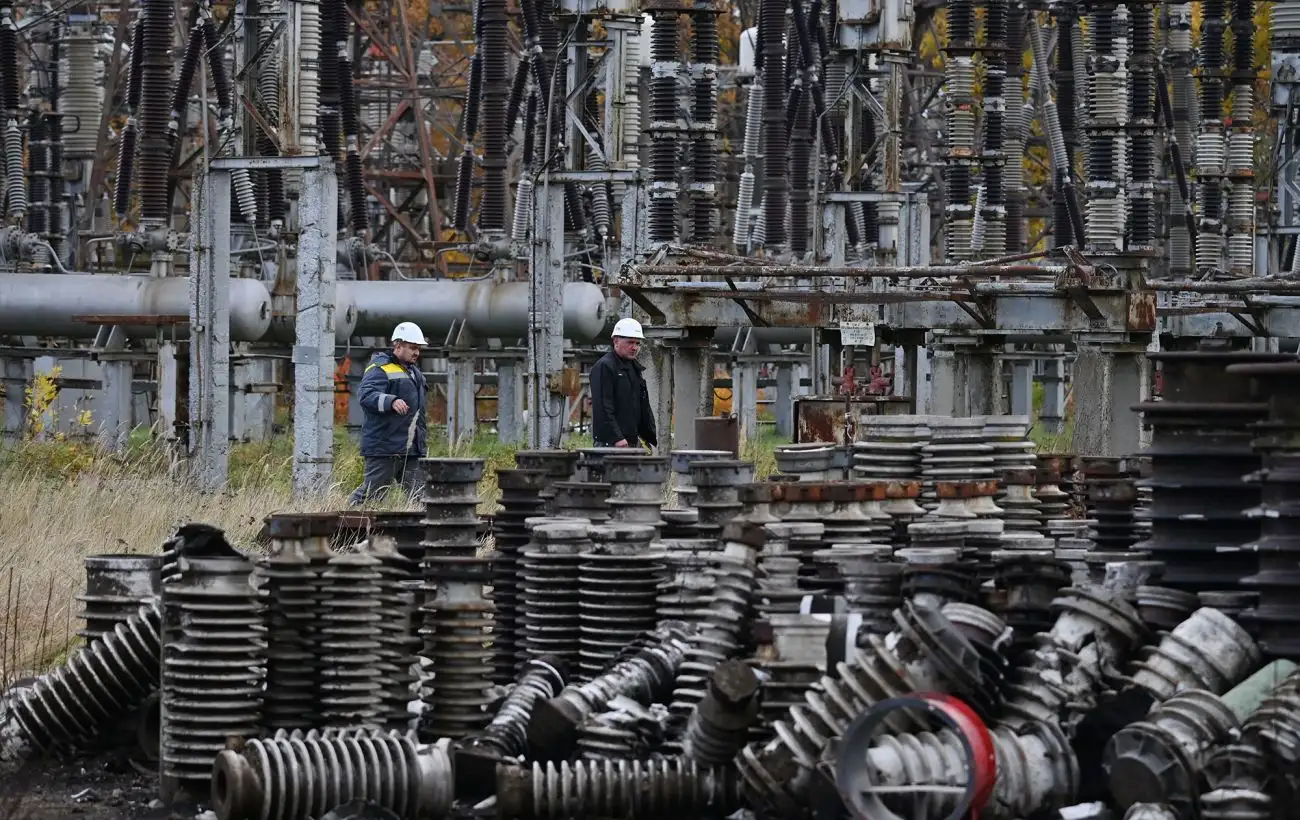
(383, 472)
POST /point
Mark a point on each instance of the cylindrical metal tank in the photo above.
(40, 304)
(492, 309)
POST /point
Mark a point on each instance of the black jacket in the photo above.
(620, 403)
(386, 433)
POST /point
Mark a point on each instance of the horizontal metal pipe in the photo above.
(70, 305)
(762, 271)
(490, 309)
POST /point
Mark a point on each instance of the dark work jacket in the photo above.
(620, 403)
(385, 432)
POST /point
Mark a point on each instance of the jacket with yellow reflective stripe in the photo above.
(386, 433)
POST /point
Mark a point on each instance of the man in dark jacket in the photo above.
(620, 403)
(392, 394)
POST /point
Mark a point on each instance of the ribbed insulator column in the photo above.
(994, 212)
(1066, 102)
(1178, 59)
(38, 175)
(1211, 146)
(1107, 119)
(81, 82)
(776, 141)
(705, 51)
(1019, 113)
(664, 66)
(157, 23)
(959, 84)
(1241, 142)
(1142, 125)
(740, 235)
(496, 130)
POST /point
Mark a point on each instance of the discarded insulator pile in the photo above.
(792, 655)
(1200, 451)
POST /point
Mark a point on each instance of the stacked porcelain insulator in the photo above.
(791, 661)
(636, 489)
(581, 499)
(778, 572)
(399, 642)
(558, 465)
(808, 462)
(213, 666)
(1053, 502)
(457, 611)
(683, 486)
(550, 616)
(957, 455)
(520, 500)
(938, 575)
(870, 581)
(618, 585)
(1014, 465)
(717, 496)
(724, 628)
(1108, 111)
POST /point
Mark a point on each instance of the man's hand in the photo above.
(400, 407)
(621, 443)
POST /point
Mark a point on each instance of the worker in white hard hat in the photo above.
(392, 394)
(620, 403)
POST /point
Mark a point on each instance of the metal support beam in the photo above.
(313, 351)
(209, 402)
(546, 320)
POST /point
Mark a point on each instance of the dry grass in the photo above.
(63, 501)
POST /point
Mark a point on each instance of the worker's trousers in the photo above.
(384, 472)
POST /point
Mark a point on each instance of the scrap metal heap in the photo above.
(879, 629)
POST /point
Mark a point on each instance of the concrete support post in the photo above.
(462, 417)
(16, 377)
(659, 374)
(783, 410)
(546, 401)
(1051, 417)
(313, 351)
(168, 391)
(209, 393)
(1022, 387)
(964, 380)
(692, 390)
(1108, 382)
(744, 397)
(510, 402)
(259, 399)
(113, 404)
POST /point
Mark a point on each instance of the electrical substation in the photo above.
(906, 234)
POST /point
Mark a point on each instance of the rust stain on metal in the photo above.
(1141, 310)
(965, 489)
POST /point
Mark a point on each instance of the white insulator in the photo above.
(81, 95)
(1055, 139)
(961, 129)
(1210, 152)
(753, 120)
(977, 226)
(1241, 151)
(1180, 245)
(308, 75)
(1286, 21)
(1209, 250)
(244, 194)
(1241, 221)
(995, 233)
(957, 240)
(1185, 99)
(1105, 220)
(16, 183)
(1179, 38)
(1080, 69)
(961, 78)
(268, 77)
(744, 201)
(758, 235)
(523, 209)
(1295, 264)
(631, 102)
(1108, 97)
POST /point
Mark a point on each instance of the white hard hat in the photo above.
(409, 332)
(628, 329)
